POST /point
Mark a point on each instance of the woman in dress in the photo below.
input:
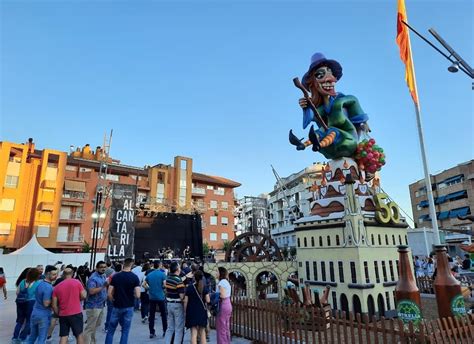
(225, 311)
(195, 307)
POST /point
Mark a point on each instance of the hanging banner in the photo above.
(122, 222)
(260, 216)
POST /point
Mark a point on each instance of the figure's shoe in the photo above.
(296, 141)
(314, 139)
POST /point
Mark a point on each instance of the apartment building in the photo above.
(291, 199)
(213, 197)
(51, 194)
(252, 215)
(32, 183)
(453, 192)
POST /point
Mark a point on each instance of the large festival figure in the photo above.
(339, 117)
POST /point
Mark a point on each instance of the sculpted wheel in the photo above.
(253, 247)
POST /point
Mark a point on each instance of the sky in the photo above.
(212, 80)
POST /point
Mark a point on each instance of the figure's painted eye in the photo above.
(320, 74)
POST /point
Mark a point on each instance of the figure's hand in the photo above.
(365, 127)
(303, 103)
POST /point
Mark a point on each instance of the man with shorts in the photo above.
(67, 298)
(95, 302)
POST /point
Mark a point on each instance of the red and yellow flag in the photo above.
(403, 41)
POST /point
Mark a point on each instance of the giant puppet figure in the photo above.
(339, 117)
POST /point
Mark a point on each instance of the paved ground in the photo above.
(138, 334)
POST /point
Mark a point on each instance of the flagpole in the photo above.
(429, 191)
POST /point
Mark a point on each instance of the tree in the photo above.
(86, 248)
(293, 251)
(226, 245)
(205, 249)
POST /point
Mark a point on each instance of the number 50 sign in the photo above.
(386, 211)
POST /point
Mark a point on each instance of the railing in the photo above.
(199, 191)
(73, 216)
(75, 195)
(70, 238)
(219, 192)
(265, 321)
(425, 284)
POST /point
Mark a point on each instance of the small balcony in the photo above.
(75, 196)
(48, 184)
(72, 217)
(70, 238)
(199, 192)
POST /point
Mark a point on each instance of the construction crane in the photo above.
(284, 190)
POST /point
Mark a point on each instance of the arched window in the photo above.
(386, 239)
(312, 241)
(299, 242)
(305, 242)
(372, 239)
(393, 239)
(406, 240)
(399, 239)
(380, 240)
(337, 240)
(329, 240)
(320, 241)
(371, 306)
(356, 306)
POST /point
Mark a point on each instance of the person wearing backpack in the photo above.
(25, 301)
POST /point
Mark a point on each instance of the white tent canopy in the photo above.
(33, 254)
(33, 247)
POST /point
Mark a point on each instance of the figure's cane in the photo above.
(320, 120)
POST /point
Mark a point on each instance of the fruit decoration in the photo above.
(369, 156)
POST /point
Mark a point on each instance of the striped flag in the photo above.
(403, 41)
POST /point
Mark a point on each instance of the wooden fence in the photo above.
(265, 321)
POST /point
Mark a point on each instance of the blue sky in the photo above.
(212, 80)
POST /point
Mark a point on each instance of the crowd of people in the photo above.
(181, 292)
(427, 266)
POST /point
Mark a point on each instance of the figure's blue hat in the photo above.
(317, 60)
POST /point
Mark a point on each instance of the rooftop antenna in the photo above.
(101, 189)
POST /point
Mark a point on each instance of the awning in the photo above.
(443, 215)
(452, 179)
(73, 185)
(424, 217)
(72, 204)
(423, 204)
(440, 199)
(459, 212)
(456, 194)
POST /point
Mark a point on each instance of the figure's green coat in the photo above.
(342, 117)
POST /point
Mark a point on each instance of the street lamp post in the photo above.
(96, 215)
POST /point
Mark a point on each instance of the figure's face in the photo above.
(325, 81)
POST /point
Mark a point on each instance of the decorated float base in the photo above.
(350, 241)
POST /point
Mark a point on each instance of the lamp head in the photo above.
(454, 68)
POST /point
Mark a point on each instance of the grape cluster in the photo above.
(369, 156)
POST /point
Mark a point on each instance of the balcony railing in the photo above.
(70, 238)
(72, 216)
(199, 191)
(76, 195)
